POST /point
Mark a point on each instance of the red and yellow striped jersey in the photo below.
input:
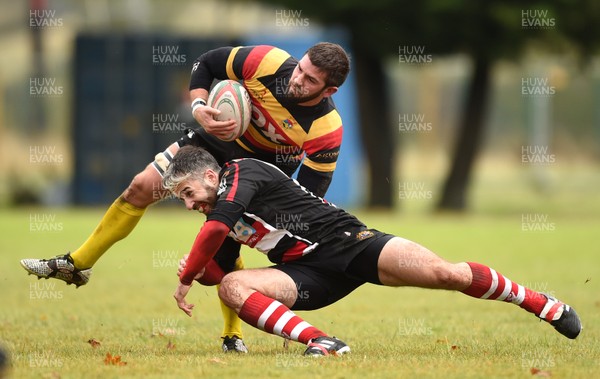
(279, 125)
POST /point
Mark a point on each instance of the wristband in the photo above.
(197, 103)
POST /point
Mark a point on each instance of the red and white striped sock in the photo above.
(273, 317)
(489, 284)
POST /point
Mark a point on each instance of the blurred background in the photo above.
(462, 106)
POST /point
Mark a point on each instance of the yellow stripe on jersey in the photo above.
(325, 125)
(271, 62)
(321, 167)
(229, 65)
(243, 145)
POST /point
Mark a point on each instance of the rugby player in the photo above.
(322, 256)
(294, 122)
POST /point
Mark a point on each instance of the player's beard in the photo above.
(211, 199)
(301, 98)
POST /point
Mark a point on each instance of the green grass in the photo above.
(394, 333)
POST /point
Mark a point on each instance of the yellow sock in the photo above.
(232, 324)
(118, 221)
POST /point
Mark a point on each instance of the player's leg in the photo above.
(229, 259)
(405, 263)
(118, 221)
(120, 218)
(264, 297)
(123, 215)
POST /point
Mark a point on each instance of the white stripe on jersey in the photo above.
(269, 240)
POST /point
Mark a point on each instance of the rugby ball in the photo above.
(232, 99)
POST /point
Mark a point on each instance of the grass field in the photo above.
(394, 333)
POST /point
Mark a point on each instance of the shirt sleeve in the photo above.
(316, 182)
(206, 245)
(237, 63)
(209, 66)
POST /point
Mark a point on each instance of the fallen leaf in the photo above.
(217, 360)
(541, 373)
(113, 360)
(93, 343)
(454, 347)
(170, 346)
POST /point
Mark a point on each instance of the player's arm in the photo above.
(240, 181)
(206, 245)
(315, 181)
(209, 66)
(322, 148)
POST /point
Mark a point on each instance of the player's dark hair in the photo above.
(189, 161)
(333, 60)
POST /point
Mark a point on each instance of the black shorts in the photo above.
(332, 272)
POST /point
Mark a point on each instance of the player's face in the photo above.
(307, 84)
(198, 194)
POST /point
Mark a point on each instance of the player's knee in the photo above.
(447, 276)
(142, 191)
(229, 290)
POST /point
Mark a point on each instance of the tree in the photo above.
(374, 27)
(484, 30)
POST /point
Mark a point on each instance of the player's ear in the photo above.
(329, 91)
(211, 176)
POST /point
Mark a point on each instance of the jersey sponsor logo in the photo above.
(260, 95)
(331, 155)
(260, 120)
(364, 234)
(242, 231)
(288, 124)
(223, 184)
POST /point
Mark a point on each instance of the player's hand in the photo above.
(205, 116)
(181, 268)
(182, 263)
(179, 295)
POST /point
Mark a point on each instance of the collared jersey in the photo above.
(267, 210)
(278, 125)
